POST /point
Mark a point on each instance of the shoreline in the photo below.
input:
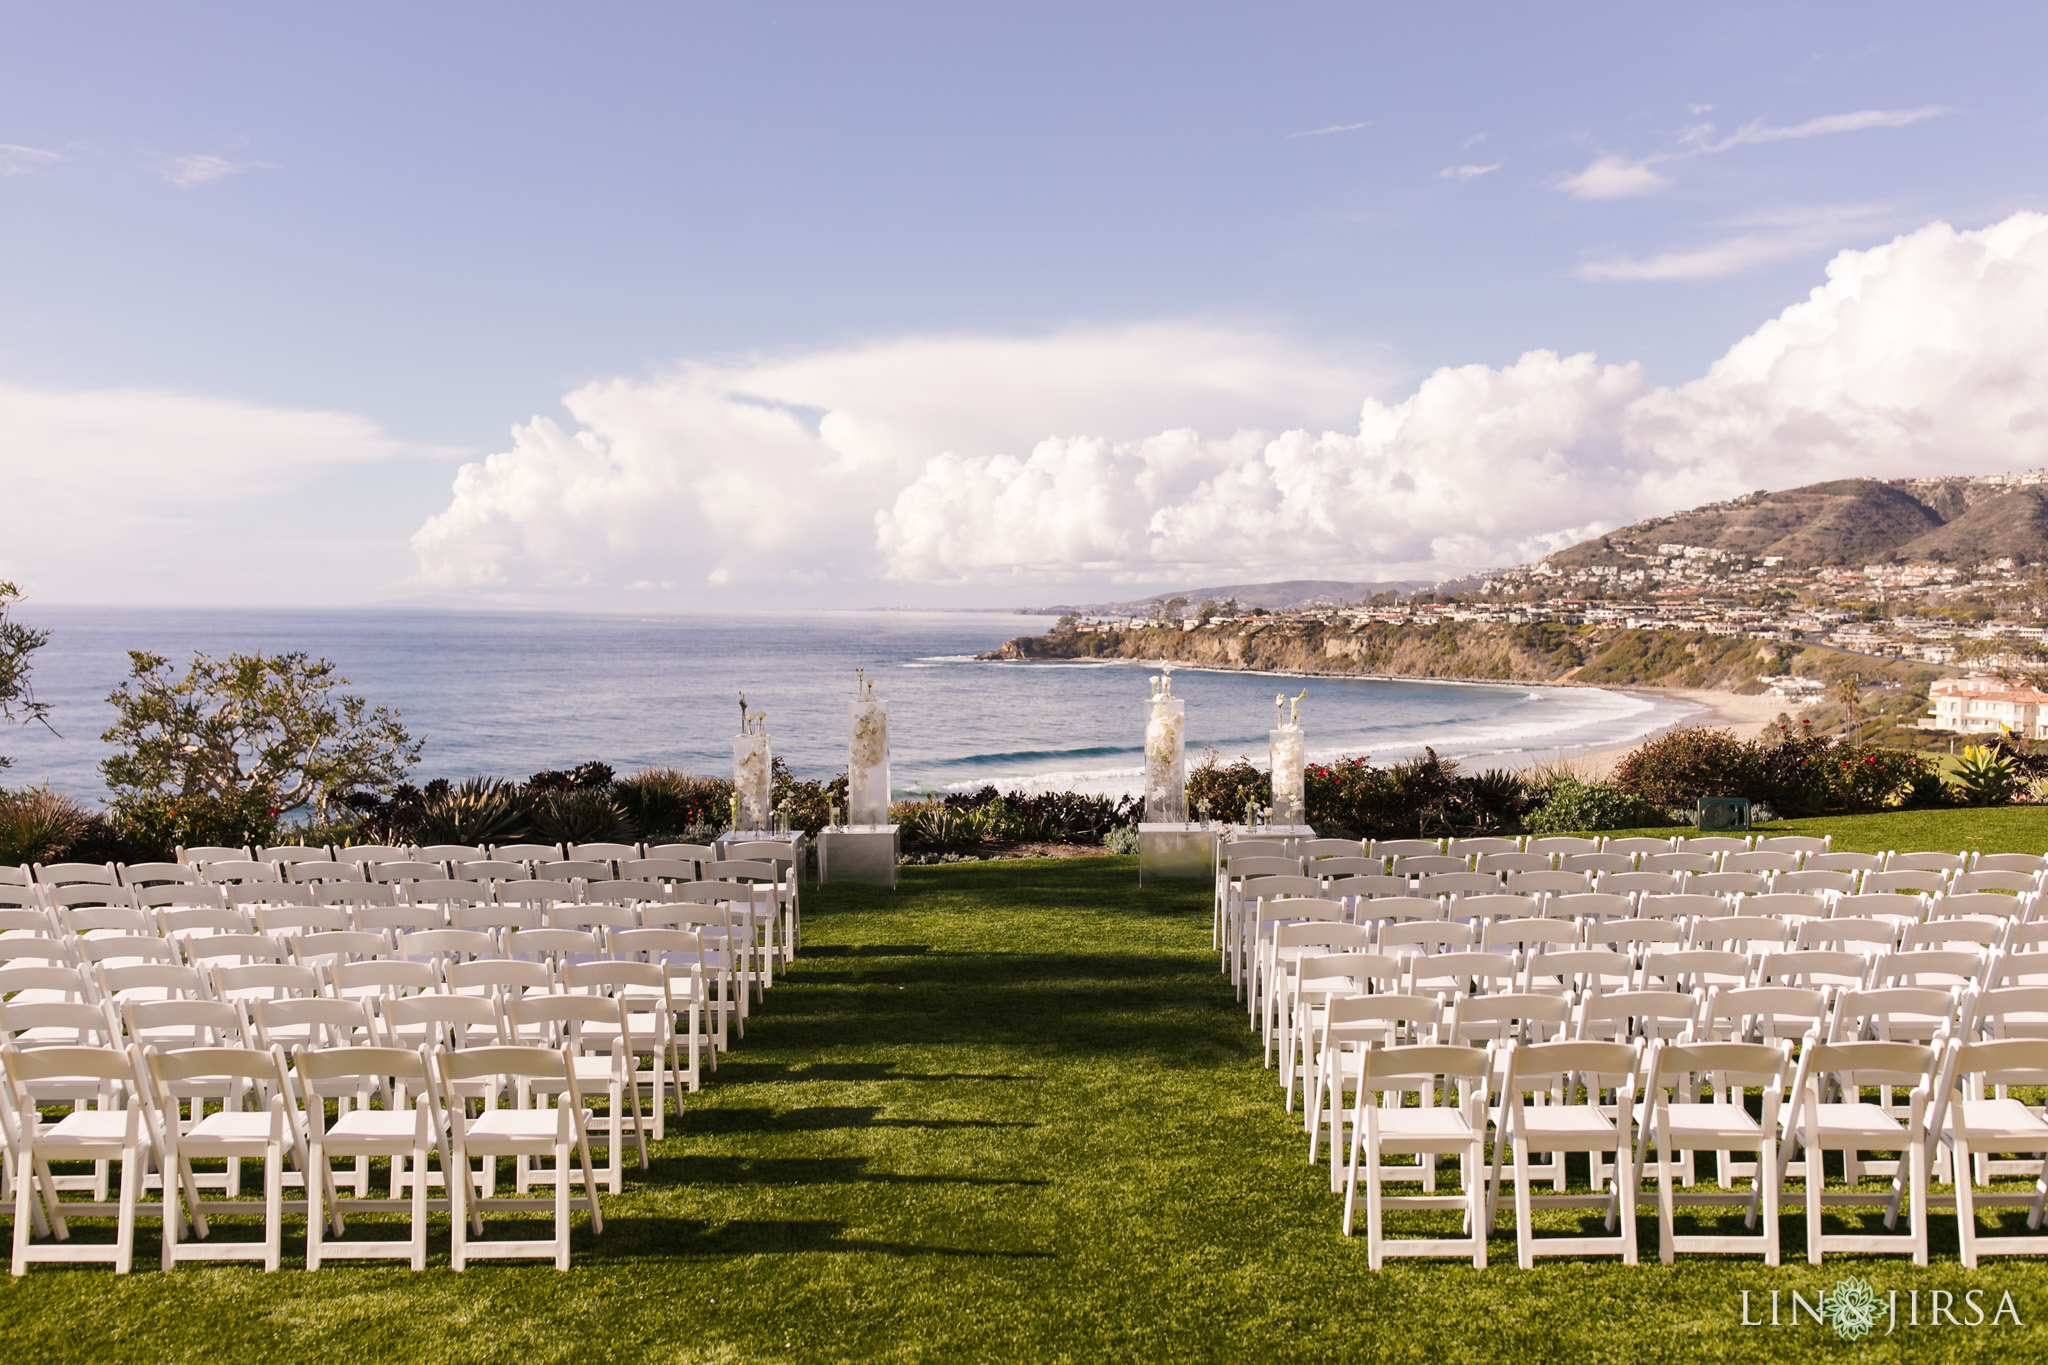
(1746, 714)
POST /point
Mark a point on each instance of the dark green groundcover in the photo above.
(1011, 1112)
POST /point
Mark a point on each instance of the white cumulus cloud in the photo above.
(1164, 454)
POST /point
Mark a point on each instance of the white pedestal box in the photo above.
(1177, 849)
(858, 853)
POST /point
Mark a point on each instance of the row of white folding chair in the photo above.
(377, 853)
(141, 1105)
(1372, 1021)
(638, 1009)
(1560, 1097)
(767, 923)
(703, 971)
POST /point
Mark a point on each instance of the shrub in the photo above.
(665, 804)
(1227, 789)
(1678, 768)
(1123, 839)
(1797, 771)
(160, 822)
(1046, 817)
(39, 825)
(1571, 807)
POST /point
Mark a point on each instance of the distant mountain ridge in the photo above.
(1291, 595)
(1958, 520)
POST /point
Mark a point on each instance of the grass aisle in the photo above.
(1009, 1112)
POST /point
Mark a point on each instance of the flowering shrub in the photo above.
(1797, 772)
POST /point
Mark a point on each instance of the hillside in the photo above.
(1470, 650)
(1847, 522)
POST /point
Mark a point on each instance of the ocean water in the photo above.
(510, 693)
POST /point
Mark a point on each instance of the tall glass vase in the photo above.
(1166, 761)
(867, 761)
(752, 779)
(1289, 755)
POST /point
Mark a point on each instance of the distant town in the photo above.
(1985, 615)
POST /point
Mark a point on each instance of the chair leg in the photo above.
(1966, 1202)
(1767, 1191)
(1816, 1177)
(1525, 1250)
(419, 1211)
(23, 1195)
(1625, 1193)
(131, 1195)
(317, 1192)
(1474, 1176)
(273, 1208)
(1666, 1230)
(562, 1200)
(1916, 1163)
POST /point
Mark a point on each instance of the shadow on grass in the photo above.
(726, 1121)
(634, 1238)
(808, 1170)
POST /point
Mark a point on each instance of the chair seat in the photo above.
(2000, 1121)
(358, 1124)
(1855, 1120)
(228, 1125)
(516, 1125)
(1695, 1121)
(1397, 1125)
(1564, 1121)
(88, 1125)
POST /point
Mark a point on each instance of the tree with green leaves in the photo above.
(18, 704)
(222, 751)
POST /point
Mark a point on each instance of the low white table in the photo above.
(1294, 835)
(858, 853)
(1177, 850)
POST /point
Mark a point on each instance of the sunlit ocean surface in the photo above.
(511, 693)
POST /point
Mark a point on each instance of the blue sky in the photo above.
(354, 248)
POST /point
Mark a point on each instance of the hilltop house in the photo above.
(1976, 705)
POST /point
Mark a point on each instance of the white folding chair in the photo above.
(1673, 1119)
(110, 1131)
(404, 1131)
(1554, 1075)
(1974, 1124)
(1852, 1125)
(182, 1081)
(517, 1127)
(1382, 1125)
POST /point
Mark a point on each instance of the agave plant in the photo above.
(38, 825)
(582, 817)
(480, 810)
(1985, 776)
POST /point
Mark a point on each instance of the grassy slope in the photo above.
(1009, 1112)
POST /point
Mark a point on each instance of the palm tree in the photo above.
(1848, 690)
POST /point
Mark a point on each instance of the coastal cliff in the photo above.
(1480, 651)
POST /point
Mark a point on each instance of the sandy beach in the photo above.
(1745, 715)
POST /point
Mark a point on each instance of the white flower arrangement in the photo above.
(1165, 759)
(752, 775)
(1288, 756)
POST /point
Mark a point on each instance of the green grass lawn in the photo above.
(1008, 1112)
